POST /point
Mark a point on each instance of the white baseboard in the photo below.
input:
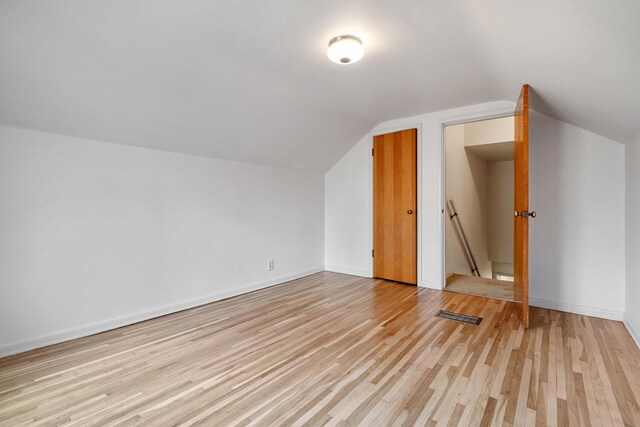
(577, 309)
(634, 330)
(347, 270)
(106, 325)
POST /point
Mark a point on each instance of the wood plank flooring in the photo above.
(331, 349)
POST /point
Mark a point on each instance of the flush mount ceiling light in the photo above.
(345, 49)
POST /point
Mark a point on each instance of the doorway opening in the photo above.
(479, 202)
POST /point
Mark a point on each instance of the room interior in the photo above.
(237, 213)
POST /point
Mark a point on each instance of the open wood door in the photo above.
(394, 206)
(521, 206)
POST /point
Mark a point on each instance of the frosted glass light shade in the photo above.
(345, 49)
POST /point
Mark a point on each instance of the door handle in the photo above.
(525, 214)
(410, 212)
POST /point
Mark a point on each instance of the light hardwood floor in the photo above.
(336, 350)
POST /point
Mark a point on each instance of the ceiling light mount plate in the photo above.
(345, 49)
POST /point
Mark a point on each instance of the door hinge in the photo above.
(371, 253)
(372, 151)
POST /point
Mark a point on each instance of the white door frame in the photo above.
(442, 123)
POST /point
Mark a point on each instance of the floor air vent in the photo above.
(473, 320)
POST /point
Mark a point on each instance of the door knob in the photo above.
(525, 214)
(410, 212)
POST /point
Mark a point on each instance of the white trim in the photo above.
(577, 309)
(491, 113)
(106, 325)
(418, 127)
(430, 285)
(633, 330)
(348, 270)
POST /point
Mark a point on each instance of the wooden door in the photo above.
(394, 206)
(521, 205)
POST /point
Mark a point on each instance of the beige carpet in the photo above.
(480, 286)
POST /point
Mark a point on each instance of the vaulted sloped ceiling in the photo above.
(249, 80)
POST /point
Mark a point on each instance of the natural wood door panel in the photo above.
(394, 206)
(521, 204)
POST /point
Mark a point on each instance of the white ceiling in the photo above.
(249, 80)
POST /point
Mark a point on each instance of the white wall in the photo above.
(500, 212)
(577, 188)
(577, 250)
(632, 315)
(489, 131)
(96, 235)
(348, 218)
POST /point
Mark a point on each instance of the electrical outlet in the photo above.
(272, 265)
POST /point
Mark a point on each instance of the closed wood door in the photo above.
(394, 206)
(521, 204)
